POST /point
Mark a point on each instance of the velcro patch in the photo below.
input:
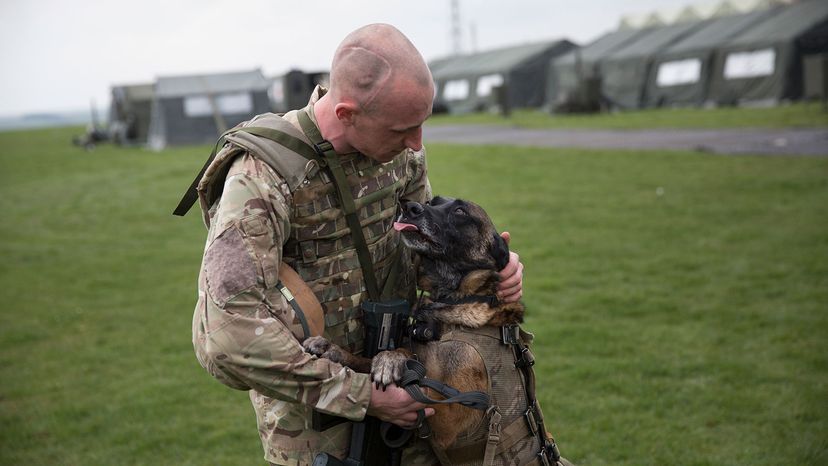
(228, 266)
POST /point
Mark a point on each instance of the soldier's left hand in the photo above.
(510, 288)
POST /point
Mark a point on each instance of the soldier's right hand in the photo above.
(393, 404)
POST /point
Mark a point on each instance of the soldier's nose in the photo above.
(413, 209)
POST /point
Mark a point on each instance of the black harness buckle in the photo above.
(526, 358)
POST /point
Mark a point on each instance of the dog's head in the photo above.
(453, 231)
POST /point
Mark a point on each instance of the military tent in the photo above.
(680, 73)
(624, 72)
(469, 82)
(581, 63)
(195, 109)
(293, 89)
(129, 113)
(764, 63)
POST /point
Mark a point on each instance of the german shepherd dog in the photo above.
(460, 254)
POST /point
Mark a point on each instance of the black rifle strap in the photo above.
(325, 149)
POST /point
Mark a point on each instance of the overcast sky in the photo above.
(57, 55)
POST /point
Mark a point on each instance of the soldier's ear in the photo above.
(345, 112)
(500, 252)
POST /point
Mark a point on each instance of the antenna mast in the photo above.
(455, 28)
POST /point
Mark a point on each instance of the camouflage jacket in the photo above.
(244, 332)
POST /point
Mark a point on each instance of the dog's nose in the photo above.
(413, 209)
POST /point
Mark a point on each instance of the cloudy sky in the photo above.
(57, 55)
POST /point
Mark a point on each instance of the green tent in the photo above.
(680, 73)
(566, 71)
(624, 72)
(196, 109)
(468, 83)
(764, 63)
(129, 113)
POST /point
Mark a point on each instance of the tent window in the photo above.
(228, 104)
(457, 89)
(234, 104)
(750, 64)
(197, 106)
(674, 73)
(485, 84)
(277, 90)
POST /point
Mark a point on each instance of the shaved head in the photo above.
(371, 60)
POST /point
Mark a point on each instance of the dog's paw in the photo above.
(320, 347)
(388, 367)
(316, 346)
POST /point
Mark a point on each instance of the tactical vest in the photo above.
(511, 432)
(320, 247)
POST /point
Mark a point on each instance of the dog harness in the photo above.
(513, 431)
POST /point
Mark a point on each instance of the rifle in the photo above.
(385, 325)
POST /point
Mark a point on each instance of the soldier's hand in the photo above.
(395, 405)
(510, 288)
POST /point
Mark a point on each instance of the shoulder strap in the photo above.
(292, 143)
(191, 195)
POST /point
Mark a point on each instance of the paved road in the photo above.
(725, 141)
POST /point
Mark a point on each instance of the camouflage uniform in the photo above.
(244, 332)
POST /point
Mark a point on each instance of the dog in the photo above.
(460, 254)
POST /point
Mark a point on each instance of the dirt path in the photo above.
(792, 141)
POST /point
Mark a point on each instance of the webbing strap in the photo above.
(524, 362)
(516, 431)
(494, 437)
(296, 308)
(324, 149)
(414, 377)
(293, 143)
(191, 195)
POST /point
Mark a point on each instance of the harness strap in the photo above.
(325, 150)
(494, 436)
(414, 377)
(517, 430)
(524, 360)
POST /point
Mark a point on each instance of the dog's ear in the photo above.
(500, 252)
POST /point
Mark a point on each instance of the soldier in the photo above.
(244, 331)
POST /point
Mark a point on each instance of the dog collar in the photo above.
(491, 300)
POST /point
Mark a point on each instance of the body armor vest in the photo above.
(320, 247)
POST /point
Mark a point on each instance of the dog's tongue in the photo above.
(405, 227)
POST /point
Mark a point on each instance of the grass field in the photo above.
(679, 303)
(804, 115)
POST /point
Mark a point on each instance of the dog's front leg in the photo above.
(321, 347)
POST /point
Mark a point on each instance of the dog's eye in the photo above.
(459, 211)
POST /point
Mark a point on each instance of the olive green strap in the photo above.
(291, 142)
(325, 149)
(191, 195)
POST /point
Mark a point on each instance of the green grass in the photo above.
(679, 303)
(784, 116)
